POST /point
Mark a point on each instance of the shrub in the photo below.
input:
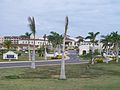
(57, 57)
(113, 58)
(98, 60)
(19, 54)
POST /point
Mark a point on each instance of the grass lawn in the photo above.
(23, 57)
(98, 77)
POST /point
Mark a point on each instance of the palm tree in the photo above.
(56, 39)
(116, 41)
(32, 26)
(106, 40)
(27, 35)
(62, 73)
(8, 44)
(45, 46)
(92, 36)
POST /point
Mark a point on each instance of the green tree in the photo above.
(62, 73)
(32, 26)
(7, 44)
(116, 41)
(27, 36)
(92, 36)
(106, 40)
(56, 39)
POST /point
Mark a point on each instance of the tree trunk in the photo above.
(33, 55)
(62, 73)
(107, 55)
(29, 50)
(117, 53)
(59, 51)
(92, 54)
(45, 53)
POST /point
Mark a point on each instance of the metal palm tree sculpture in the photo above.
(62, 73)
(31, 21)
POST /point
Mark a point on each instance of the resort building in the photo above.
(86, 46)
(14, 39)
(71, 42)
(1, 39)
(21, 43)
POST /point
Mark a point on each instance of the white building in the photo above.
(71, 42)
(86, 46)
(1, 39)
(23, 43)
(31, 41)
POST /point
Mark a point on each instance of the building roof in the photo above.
(79, 37)
(10, 52)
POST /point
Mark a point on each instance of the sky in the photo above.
(84, 16)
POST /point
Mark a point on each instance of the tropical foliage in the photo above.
(111, 42)
(8, 44)
(55, 39)
(92, 36)
(116, 41)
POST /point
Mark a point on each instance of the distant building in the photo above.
(21, 43)
(86, 46)
(71, 42)
(14, 39)
(1, 39)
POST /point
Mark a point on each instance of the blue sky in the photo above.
(84, 16)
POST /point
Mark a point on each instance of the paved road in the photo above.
(72, 54)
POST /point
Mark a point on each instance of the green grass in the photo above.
(97, 77)
(23, 57)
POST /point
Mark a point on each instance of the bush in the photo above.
(113, 58)
(98, 60)
(12, 77)
(19, 54)
(57, 57)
